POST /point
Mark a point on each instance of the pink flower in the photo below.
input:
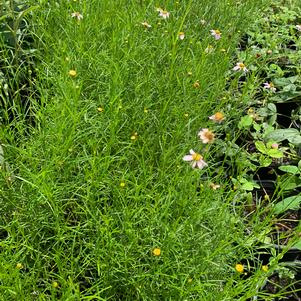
(240, 66)
(216, 33)
(196, 160)
(275, 145)
(206, 136)
(298, 27)
(163, 13)
(270, 86)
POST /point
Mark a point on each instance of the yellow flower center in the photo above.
(241, 65)
(217, 32)
(55, 284)
(219, 116)
(197, 157)
(265, 268)
(209, 135)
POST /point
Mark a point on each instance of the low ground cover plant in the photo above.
(97, 202)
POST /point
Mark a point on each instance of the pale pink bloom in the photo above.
(270, 86)
(298, 27)
(163, 13)
(146, 25)
(206, 136)
(209, 49)
(275, 145)
(216, 33)
(196, 160)
(77, 15)
(217, 117)
(240, 66)
(181, 35)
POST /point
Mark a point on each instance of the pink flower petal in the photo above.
(201, 164)
(187, 158)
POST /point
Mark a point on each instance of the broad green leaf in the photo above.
(249, 186)
(284, 81)
(289, 88)
(256, 126)
(265, 161)
(289, 168)
(261, 147)
(272, 108)
(292, 202)
(282, 134)
(296, 140)
(245, 122)
(275, 153)
(289, 182)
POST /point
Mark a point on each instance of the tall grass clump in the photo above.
(96, 202)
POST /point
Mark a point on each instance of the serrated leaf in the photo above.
(290, 203)
(290, 169)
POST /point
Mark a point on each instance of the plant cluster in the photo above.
(17, 64)
(261, 149)
(97, 203)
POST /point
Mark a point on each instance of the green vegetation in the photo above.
(98, 111)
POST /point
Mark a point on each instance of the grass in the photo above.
(85, 200)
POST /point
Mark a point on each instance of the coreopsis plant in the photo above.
(216, 33)
(240, 67)
(269, 86)
(196, 159)
(206, 136)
